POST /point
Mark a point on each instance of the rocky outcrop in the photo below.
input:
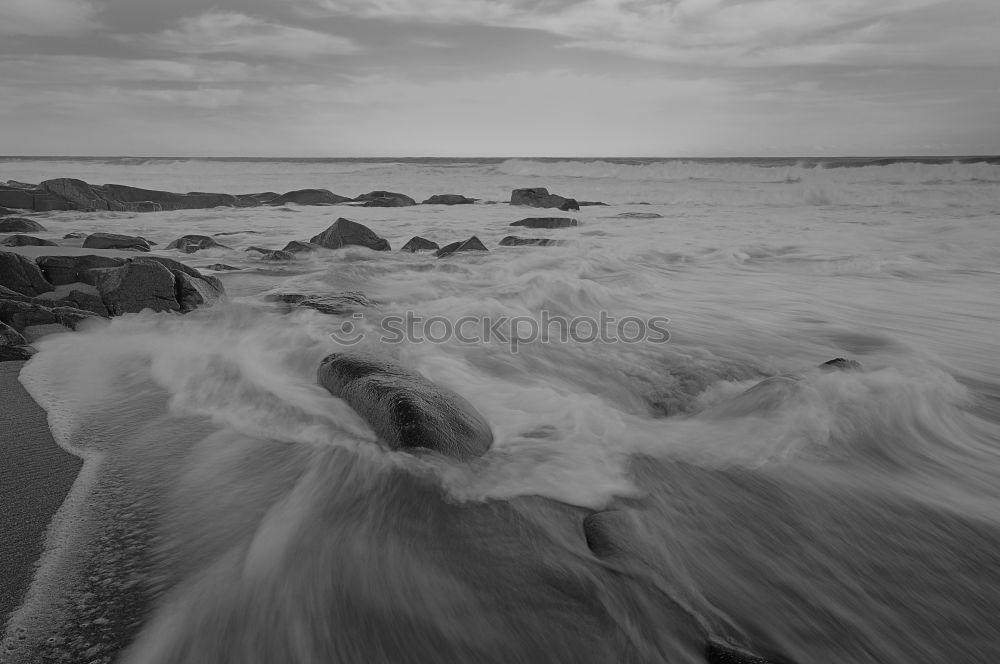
(10, 337)
(308, 197)
(12, 345)
(192, 243)
(221, 267)
(74, 235)
(514, 241)
(152, 200)
(22, 275)
(472, 244)
(385, 199)
(136, 286)
(60, 270)
(271, 254)
(344, 233)
(261, 198)
(540, 197)
(406, 410)
(333, 304)
(115, 241)
(449, 199)
(418, 243)
(192, 292)
(27, 241)
(298, 247)
(638, 215)
(546, 222)
(20, 225)
(76, 296)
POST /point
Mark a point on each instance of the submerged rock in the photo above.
(406, 410)
(20, 225)
(332, 304)
(418, 243)
(27, 241)
(192, 243)
(546, 222)
(22, 275)
(344, 233)
(298, 247)
(842, 364)
(271, 254)
(449, 199)
(221, 267)
(540, 197)
(721, 653)
(115, 241)
(514, 241)
(638, 215)
(307, 197)
(472, 244)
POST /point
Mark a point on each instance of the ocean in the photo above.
(232, 510)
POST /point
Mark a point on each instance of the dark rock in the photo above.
(514, 241)
(449, 199)
(14, 353)
(76, 298)
(721, 653)
(418, 243)
(74, 235)
(221, 267)
(590, 203)
(298, 247)
(262, 198)
(639, 215)
(27, 241)
(841, 364)
(12, 197)
(540, 197)
(20, 315)
(6, 211)
(546, 222)
(406, 410)
(236, 233)
(272, 254)
(609, 533)
(136, 286)
(192, 243)
(472, 244)
(8, 294)
(114, 241)
(308, 197)
(10, 337)
(20, 225)
(335, 305)
(193, 292)
(345, 232)
(151, 200)
(21, 274)
(61, 270)
(78, 193)
(71, 317)
(385, 199)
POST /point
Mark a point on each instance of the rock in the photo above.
(308, 197)
(472, 244)
(71, 317)
(546, 222)
(540, 197)
(114, 241)
(591, 203)
(221, 267)
(638, 215)
(385, 199)
(335, 305)
(406, 410)
(262, 198)
(13, 197)
(20, 315)
(83, 297)
(193, 292)
(298, 247)
(20, 225)
(8, 294)
(151, 200)
(6, 211)
(192, 243)
(27, 241)
(10, 337)
(514, 241)
(721, 653)
(345, 232)
(61, 270)
(176, 266)
(841, 364)
(22, 275)
(236, 233)
(610, 533)
(74, 235)
(449, 199)
(136, 286)
(78, 193)
(418, 243)
(272, 254)
(14, 353)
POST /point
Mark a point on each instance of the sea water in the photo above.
(231, 510)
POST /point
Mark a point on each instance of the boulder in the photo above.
(10, 337)
(262, 198)
(345, 232)
(449, 199)
(22, 275)
(136, 286)
(192, 243)
(271, 254)
(472, 244)
(540, 197)
(14, 197)
(8, 294)
(20, 225)
(151, 200)
(221, 267)
(27, 241)
(20, 315)
(308, 197)
(514, 241)
(71, 317)
(385, 199)
(611, 532)
(406, 410)
(77, 296)
(335, 305)
(193, 292)
(418, 243)
(298, 247)
(114, 241)
(74, 235)
(14, 353)
(78, 193)
(841, 364)
(60, 270)
(546, 222)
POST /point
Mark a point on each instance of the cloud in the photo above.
(233, 32)
(46, 17)
(67, 71)
(719, 32)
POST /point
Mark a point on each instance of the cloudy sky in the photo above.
(499, 77)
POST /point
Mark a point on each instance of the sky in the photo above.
(571, 78)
